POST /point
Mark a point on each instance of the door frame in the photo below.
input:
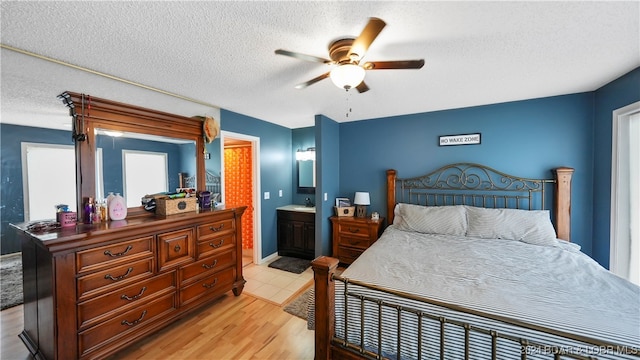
(619, 199)
(257, 212)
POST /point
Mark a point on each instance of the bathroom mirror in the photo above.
(306, 170)
(90, 114)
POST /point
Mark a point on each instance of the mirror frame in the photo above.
(89, 113)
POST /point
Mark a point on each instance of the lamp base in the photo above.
(361, 211)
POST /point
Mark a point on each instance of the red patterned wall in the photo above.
(239, 188)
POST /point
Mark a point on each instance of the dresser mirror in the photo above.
(136, 164)
(92, 117)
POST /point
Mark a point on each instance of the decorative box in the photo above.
(67, 219)
(345, 211)
(166, 206)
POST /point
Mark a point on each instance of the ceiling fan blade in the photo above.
(401, 64)
(369, 33)
(312, 81)
(362, 87)
(303, 56)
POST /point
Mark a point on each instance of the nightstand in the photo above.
(353, 235)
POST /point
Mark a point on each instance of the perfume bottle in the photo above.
(89, 209)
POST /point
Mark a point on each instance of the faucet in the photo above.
(308, 203)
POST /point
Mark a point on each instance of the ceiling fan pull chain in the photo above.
(348, 106)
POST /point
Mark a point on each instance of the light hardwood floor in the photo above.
(242, 327)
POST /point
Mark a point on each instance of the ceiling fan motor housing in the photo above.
(339, 50)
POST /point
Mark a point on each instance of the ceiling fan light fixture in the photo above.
(347, 76)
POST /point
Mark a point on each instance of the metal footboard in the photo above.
(364, 321)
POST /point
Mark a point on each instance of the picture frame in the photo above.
(460, 139)
(343, 202)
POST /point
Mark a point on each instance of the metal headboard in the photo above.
(212, 182)
(473, 184)
(482, 186)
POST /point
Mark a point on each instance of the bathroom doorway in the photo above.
(241, 186)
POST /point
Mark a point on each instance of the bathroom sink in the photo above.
(304, 208)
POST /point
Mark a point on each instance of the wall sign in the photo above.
(464, 139)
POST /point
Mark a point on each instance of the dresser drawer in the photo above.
(123, 325)
(175, 248)
(216, 284)
(207, 266)
(354, 229)
(354, 241)
(98, 258)
(215, 229)
(348, 255)
(121, 299)
(216, 245)
(118, 276)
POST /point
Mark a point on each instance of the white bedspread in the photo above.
(546, 286)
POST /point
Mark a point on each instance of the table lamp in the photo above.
(361, 201)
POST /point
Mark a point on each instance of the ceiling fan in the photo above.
(346, 54)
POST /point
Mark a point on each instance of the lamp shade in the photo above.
(347, 76)
(361, 198)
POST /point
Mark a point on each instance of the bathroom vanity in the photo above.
(296, 231)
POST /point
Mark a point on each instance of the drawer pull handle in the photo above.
(354, 230)
(118, 278)
(177, 248)
(135, 322)
(209, 286)
(109, 253)
(134, 297)
(353, 242)
(216, 228)
(210, 266)
(217, 245)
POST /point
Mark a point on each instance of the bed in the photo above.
(471, 267)
(212, 184)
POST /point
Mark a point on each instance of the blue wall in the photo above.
(11, 198)
(213, 164)
(275, 168)
(618, 93)
(328, 154)
(524, 138)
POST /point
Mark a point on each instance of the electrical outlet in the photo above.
(280, 193)
(325, 197)
(267, 195)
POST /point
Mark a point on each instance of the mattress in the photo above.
(556, 287)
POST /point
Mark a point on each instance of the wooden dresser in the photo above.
(92, 289)
(353, 235)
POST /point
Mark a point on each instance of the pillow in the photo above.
(446, 220)
(529, 226)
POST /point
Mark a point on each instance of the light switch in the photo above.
(266, 195)
(325, 197)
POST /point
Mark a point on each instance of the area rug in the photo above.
(298, 306)
(10, 280)
(291, 264)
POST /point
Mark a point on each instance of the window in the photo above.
(144, 173)
(625, 194)
(49, 179)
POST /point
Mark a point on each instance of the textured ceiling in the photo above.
(222, 53)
